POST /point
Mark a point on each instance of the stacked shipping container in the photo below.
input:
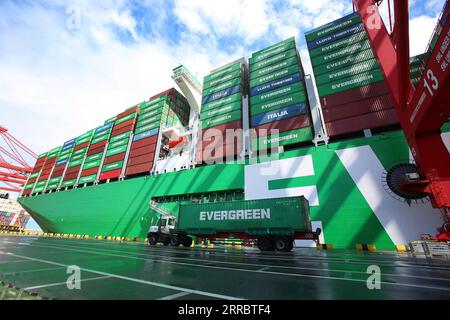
(116, 152)
(223, 92)
(47, 170)
(34, 175)
(60, 166)
(94, 156)
(350, 83)
(76, 160)
(101, 154)
(167, 109)
(278, 97)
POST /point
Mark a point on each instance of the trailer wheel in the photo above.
(174, 242)
(187, 242)
(153, 239)
(283, 244)
(266, 243)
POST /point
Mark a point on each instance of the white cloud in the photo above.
(421, 29)
(245, 18)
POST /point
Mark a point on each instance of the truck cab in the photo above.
(165, 232)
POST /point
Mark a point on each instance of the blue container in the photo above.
(276, 84)
(339, 35)
(221, 94)
(280, 114)
(146, 134)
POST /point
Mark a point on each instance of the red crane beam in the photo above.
(10, 189)
(13, 175)
(19, 182)
(15, 168)
(421, 111)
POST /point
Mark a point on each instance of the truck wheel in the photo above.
(266, 244)
(174, 242)
(152, 240)
(187, 242)
(283, 244)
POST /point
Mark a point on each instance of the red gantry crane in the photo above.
(423, 110)
(14, 172)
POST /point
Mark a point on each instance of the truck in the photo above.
(273, 223)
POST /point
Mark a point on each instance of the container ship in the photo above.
(256, 128)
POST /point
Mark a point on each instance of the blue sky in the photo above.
(65, 66)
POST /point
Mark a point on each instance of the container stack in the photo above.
(221, 110)
(34, 175)
(61, 163)
(166, 109)
(94, 156)
(76, 160)
(47, 170)
(278, 97)
(350, 83)
(118, 144)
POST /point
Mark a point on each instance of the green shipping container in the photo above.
(344, 52)
(282, 139)
(279, 103)
(282, 56)
(129, 117)
(75, 163)
(228, 77)
(154, 119)
(52, 186)
(68, 183)
(274, 94)
(87, 179)
(55, 180)
(120, 137)
(222, 102)
(272, 50)
(275, 76)
(222, 86)
(94, 157)
(84, 140)
(353, 70)
(147, 128)
(277, 66)
(118, 150)
(332, 27)
(336, 45)
(343, 62)
(119, 143)
(152, 113)
(112, 166)
(356, 81)
(221, 110)
(100, 139)
(92, 164)
(222, 72)
(266, 216)
(216, 121)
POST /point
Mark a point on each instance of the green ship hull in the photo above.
(343, 182)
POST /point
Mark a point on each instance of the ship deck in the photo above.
(129, 270)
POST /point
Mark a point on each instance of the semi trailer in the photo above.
(273, 223)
